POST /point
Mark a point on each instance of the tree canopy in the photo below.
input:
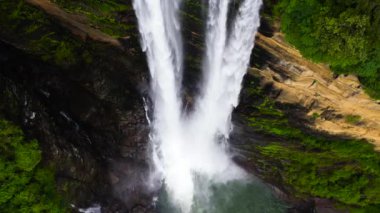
(343, 33)
(25, 186)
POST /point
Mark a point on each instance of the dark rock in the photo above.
(326, 206)
(81, 123)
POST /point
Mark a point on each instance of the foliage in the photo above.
(33, 29)
(24, 185)
(105, 15)
(342, 33)
(353, 119)
(63, 54)
(315, 115)
(346, 170)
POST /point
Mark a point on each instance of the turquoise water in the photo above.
(233, 197)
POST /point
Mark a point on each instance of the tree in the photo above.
(25, 186)
(342, 33)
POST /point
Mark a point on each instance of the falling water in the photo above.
(191, 151)
(160, 32)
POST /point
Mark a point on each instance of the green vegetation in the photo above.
(105, 15)
(342, 33)
(330, 173)
(345, 170)
(39, 35)
(315, 116)
(192, 12)
(353, 119)
(25, 186)
(61, 52)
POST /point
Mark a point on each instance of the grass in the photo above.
(345, 170)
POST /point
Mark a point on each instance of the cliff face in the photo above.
(78, 91)
(338, 104)
(73, 77)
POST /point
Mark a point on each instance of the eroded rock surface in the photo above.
(333, 100)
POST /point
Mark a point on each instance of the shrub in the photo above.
(342, 33)
(25, 186)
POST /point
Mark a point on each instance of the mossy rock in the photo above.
(314, 164)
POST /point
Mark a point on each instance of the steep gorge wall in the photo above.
(78, 91)
(85, 105)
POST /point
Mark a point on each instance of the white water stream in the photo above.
(186, 148)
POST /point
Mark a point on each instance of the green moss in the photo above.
(345, 170)
(330, 173)
(315, 116)
(368, 209)
(371, 85)
(16, 13)
(353, 119)
(270, 120)
(25, 186)
(267, 108)
(50, 48)
(104, 15)
(36, 33)
(33, 29)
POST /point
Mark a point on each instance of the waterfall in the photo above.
(188, 147)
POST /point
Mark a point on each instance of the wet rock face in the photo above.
(87, 131)
(244, 142)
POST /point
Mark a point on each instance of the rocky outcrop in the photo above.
(95, 141)
(78, 25)
(337, 104)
